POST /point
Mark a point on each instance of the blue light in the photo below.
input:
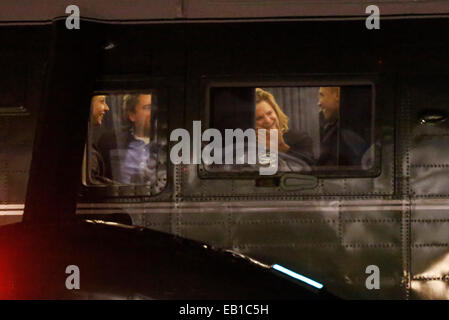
(297, 276)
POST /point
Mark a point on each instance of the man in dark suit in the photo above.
(339, 144)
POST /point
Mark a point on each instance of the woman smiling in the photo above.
(270, 116)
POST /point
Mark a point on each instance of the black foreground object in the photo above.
(124, 262)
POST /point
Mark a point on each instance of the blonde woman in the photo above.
(270, 116)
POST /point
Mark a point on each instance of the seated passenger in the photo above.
(338, 145)
(140, 161)
(96, 165)
(270, 116)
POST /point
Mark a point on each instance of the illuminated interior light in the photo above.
(297, 276)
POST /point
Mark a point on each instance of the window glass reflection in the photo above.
(323, 129)
(123, 146)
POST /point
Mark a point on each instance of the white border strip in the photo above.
(11, 213)
(12, 206)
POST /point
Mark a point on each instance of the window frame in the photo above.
(121, 192)
(310, 80)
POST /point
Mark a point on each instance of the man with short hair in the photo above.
(339, 144)
(137, 113)
(329, 104)
(139, 165)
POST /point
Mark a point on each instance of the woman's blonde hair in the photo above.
(262, 95)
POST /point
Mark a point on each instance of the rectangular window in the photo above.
(124, 146)
(322, 130)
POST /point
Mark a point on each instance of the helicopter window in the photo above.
(326, 130)
(123, 143)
